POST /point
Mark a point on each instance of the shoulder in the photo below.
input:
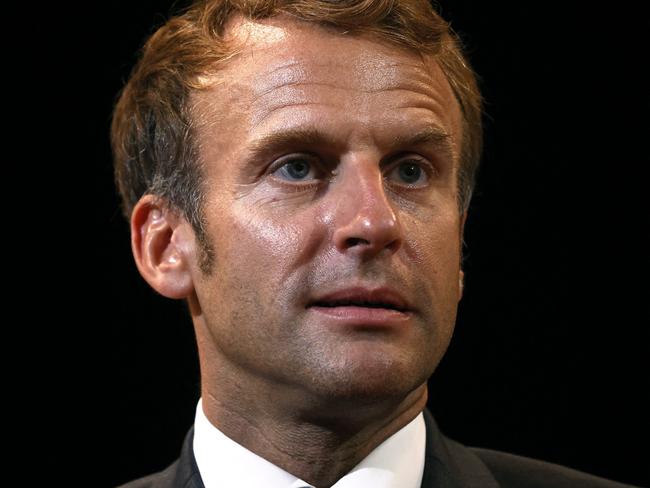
(511, 470)
(162, 479)
(174, 476)
(449, 463)
(182, 473)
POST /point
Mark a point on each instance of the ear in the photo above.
(461, 284)
(461, 273)
(163, 247)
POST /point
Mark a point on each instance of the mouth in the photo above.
(363, 298)
(358, 303)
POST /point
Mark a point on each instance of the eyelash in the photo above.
(428, 168)
(298, 185)
(317, 165)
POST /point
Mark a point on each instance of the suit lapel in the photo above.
(448, 464)
(187, 472)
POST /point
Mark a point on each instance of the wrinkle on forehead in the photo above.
(283, 64)
(346, 83)
(370, 77)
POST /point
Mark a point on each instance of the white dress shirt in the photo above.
(398, 462)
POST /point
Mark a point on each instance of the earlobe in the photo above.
(461, 273)
(162, 244)
(461, 284)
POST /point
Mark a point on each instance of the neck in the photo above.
(317, 443)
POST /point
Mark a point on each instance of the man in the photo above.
(299, 172)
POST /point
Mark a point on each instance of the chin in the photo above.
(370, 378)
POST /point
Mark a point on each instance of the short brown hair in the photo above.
(152, 130)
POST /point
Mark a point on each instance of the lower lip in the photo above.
(364, 316)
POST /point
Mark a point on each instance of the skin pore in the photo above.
(330, 162)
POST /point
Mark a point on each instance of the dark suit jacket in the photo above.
(447, 465)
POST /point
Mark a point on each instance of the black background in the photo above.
(550, 355)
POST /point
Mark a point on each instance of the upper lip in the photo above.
(364, 296)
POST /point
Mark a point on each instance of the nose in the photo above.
(366, 223)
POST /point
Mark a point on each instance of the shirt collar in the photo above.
(398, 462)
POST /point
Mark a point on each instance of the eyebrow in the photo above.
(430, 135)
(292, 138)
(306, 138)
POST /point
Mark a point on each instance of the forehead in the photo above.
(290, 74)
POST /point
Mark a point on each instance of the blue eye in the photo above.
(409, 172)
(295, 169)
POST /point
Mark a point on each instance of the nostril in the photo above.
(355, 241)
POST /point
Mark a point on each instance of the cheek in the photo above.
(434, 249)
(263, 243)
(434, 239)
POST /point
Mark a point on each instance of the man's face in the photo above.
(331, 172)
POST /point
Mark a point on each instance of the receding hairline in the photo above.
(223, 76)
(239, 30)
